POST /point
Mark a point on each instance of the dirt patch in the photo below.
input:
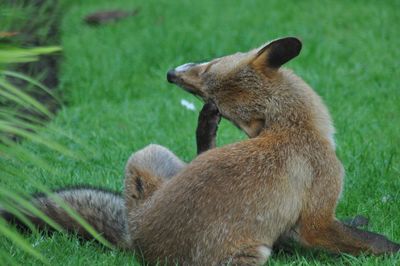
(108, 16)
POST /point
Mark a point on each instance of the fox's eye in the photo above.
(205, 70)
(208, 66)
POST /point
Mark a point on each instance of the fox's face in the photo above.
(239, 84)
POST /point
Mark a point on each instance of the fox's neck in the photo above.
(303, 112)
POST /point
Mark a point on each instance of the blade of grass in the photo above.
(10, 129)
(18, 239)
(71, 212)
(18, 55)
(31, 123)
(7, 259)
(30, 208)
(33, 82)
(9, 206)
(25, 98)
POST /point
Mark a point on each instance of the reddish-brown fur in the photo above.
(231, 204)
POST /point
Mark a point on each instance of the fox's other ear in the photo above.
(277, 52)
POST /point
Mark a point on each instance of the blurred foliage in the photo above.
(14, 123)
(20, 113)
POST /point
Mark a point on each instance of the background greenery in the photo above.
(117, 101)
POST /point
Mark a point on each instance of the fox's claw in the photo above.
(357, 221)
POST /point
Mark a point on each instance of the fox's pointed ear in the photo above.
(277, 52)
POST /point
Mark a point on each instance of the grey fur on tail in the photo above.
(103, 210)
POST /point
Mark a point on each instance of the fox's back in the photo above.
(225, 194)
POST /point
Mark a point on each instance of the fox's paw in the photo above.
(209, 118)
(249, 256)
(207, 127)
(357, 221)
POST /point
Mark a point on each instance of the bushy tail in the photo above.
(103, 210)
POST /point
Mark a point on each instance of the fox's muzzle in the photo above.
(187, 76)
(171, 76)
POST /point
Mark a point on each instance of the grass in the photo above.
(113, 81)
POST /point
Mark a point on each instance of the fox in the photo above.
(231, 205)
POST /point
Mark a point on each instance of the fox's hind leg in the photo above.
(146, 170)
(338, 237)
(319, 228)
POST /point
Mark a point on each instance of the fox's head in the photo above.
(249, 89)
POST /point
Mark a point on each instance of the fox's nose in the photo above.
(171, 75)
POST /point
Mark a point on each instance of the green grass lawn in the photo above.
(117, 101)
